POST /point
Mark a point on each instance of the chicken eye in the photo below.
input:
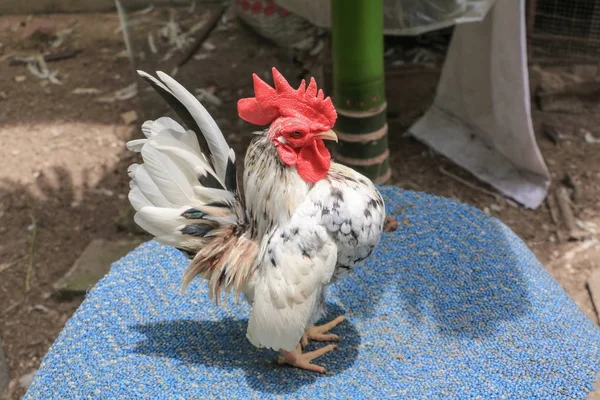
(296, 134)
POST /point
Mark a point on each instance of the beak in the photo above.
(328, 135)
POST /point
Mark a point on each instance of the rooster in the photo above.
(302, 222)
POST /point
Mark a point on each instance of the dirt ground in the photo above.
(63, 171)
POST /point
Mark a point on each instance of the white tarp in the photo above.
(481, 117)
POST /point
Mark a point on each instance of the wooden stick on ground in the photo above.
(572, 183)
(49, 57)
(202, 35)
(554, 214)
(31, 254)
(562, 198)
(469, 184)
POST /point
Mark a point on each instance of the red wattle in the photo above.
(313, 161)
(287, 154)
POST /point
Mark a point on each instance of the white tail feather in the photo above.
(216, 142)
(210, 195)
(136, 145)
(153, 128)
(164, 220)
(149, 189)
(181, 197)
(167, 175)
(178, 149)
(138, 199)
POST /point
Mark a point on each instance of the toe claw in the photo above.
(304, 341)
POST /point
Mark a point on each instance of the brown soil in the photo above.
(64, 165)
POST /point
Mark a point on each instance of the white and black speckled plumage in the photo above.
(280, 247)
(343, 213)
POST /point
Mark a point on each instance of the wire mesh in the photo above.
(564, 29)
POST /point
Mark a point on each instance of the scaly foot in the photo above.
(303, 360)
(320, 333)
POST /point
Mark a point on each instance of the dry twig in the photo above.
(202, 35)
(496, 196)
(569, 255)
(570, 181)
(63, 55)
(7, 266)
(10, 308)
(122, 94)
(562, 198)
(31, 253)
(551, 202)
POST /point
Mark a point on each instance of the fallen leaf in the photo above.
(129, 117)
(86, 91)
(390, 224)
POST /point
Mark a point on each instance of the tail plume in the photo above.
(187, 198)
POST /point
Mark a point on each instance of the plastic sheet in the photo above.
(401, 17)
(481, 116)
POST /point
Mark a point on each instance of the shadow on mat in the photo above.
(453, 267)
(222, 344)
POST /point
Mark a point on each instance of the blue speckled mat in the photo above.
(451, 305)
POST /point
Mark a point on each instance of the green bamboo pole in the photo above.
(359, 87)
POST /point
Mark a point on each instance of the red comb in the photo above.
(285, 101)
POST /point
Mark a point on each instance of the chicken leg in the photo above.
(302, 360)
(321, 333)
